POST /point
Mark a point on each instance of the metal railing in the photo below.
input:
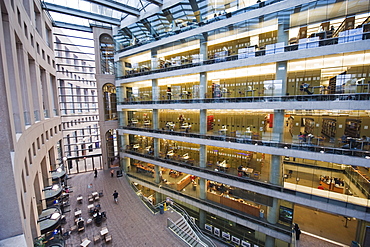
(184, 236)
(296, 146)
(194, 226)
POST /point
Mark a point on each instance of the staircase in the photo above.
(183, 230)
(186, 229)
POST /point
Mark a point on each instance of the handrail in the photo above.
(275, 227)
(171, 224)
(194, 226)
(255, 99)
(296, 146)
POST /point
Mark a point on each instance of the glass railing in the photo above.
(341, 200)
(257, 53)
(296, 146)
(255, 99)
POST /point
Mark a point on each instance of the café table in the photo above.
(104, 231)
(85, 243)
(78, 213)
(90, 206)
(79, 199)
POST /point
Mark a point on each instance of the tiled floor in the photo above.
(129, 222)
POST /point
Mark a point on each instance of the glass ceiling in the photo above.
(96, 7)
(157, 18)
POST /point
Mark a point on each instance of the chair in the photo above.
(108, 238)
(256, 175)
(89, 221)
(96, 238)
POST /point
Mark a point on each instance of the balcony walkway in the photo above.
(129, 222)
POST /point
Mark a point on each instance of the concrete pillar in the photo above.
(276, 176)
(156, 147)
(202, 188)
(155, 120)
(278, 126)
(155, 89)
(202, 218)
(281, 78)
(123, 118)
(203, 50)
(202, 156)
(157, 175)
(202, 85)
(158, 197)
(203, 122)
(154, 57)
(283, 27)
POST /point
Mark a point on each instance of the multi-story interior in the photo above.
(251, 116)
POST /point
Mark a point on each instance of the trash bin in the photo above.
(119, 173)
(262, 213)
(161, 209)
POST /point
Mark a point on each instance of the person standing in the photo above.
(95, 173)
(111, 173)
(297, 231)
(115, 196)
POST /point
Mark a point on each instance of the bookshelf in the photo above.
(329, 127)
(352, 128)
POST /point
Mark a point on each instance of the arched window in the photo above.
(106, 54)
(110, 101)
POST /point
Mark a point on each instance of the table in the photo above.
(104, 231)
(78, 213)
(90, 206)
(85, 243)
(79, 199)
(95, 194)
(247, 171)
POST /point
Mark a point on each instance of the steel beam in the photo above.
(72, 26)
(117, 6)
(79, 13)
(157, 2)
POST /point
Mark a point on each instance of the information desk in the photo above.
(183, 182)
(332, 187)
(237, 204)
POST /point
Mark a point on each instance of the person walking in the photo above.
(95, 173)
(115, 196)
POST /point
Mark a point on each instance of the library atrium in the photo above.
(250, 118)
